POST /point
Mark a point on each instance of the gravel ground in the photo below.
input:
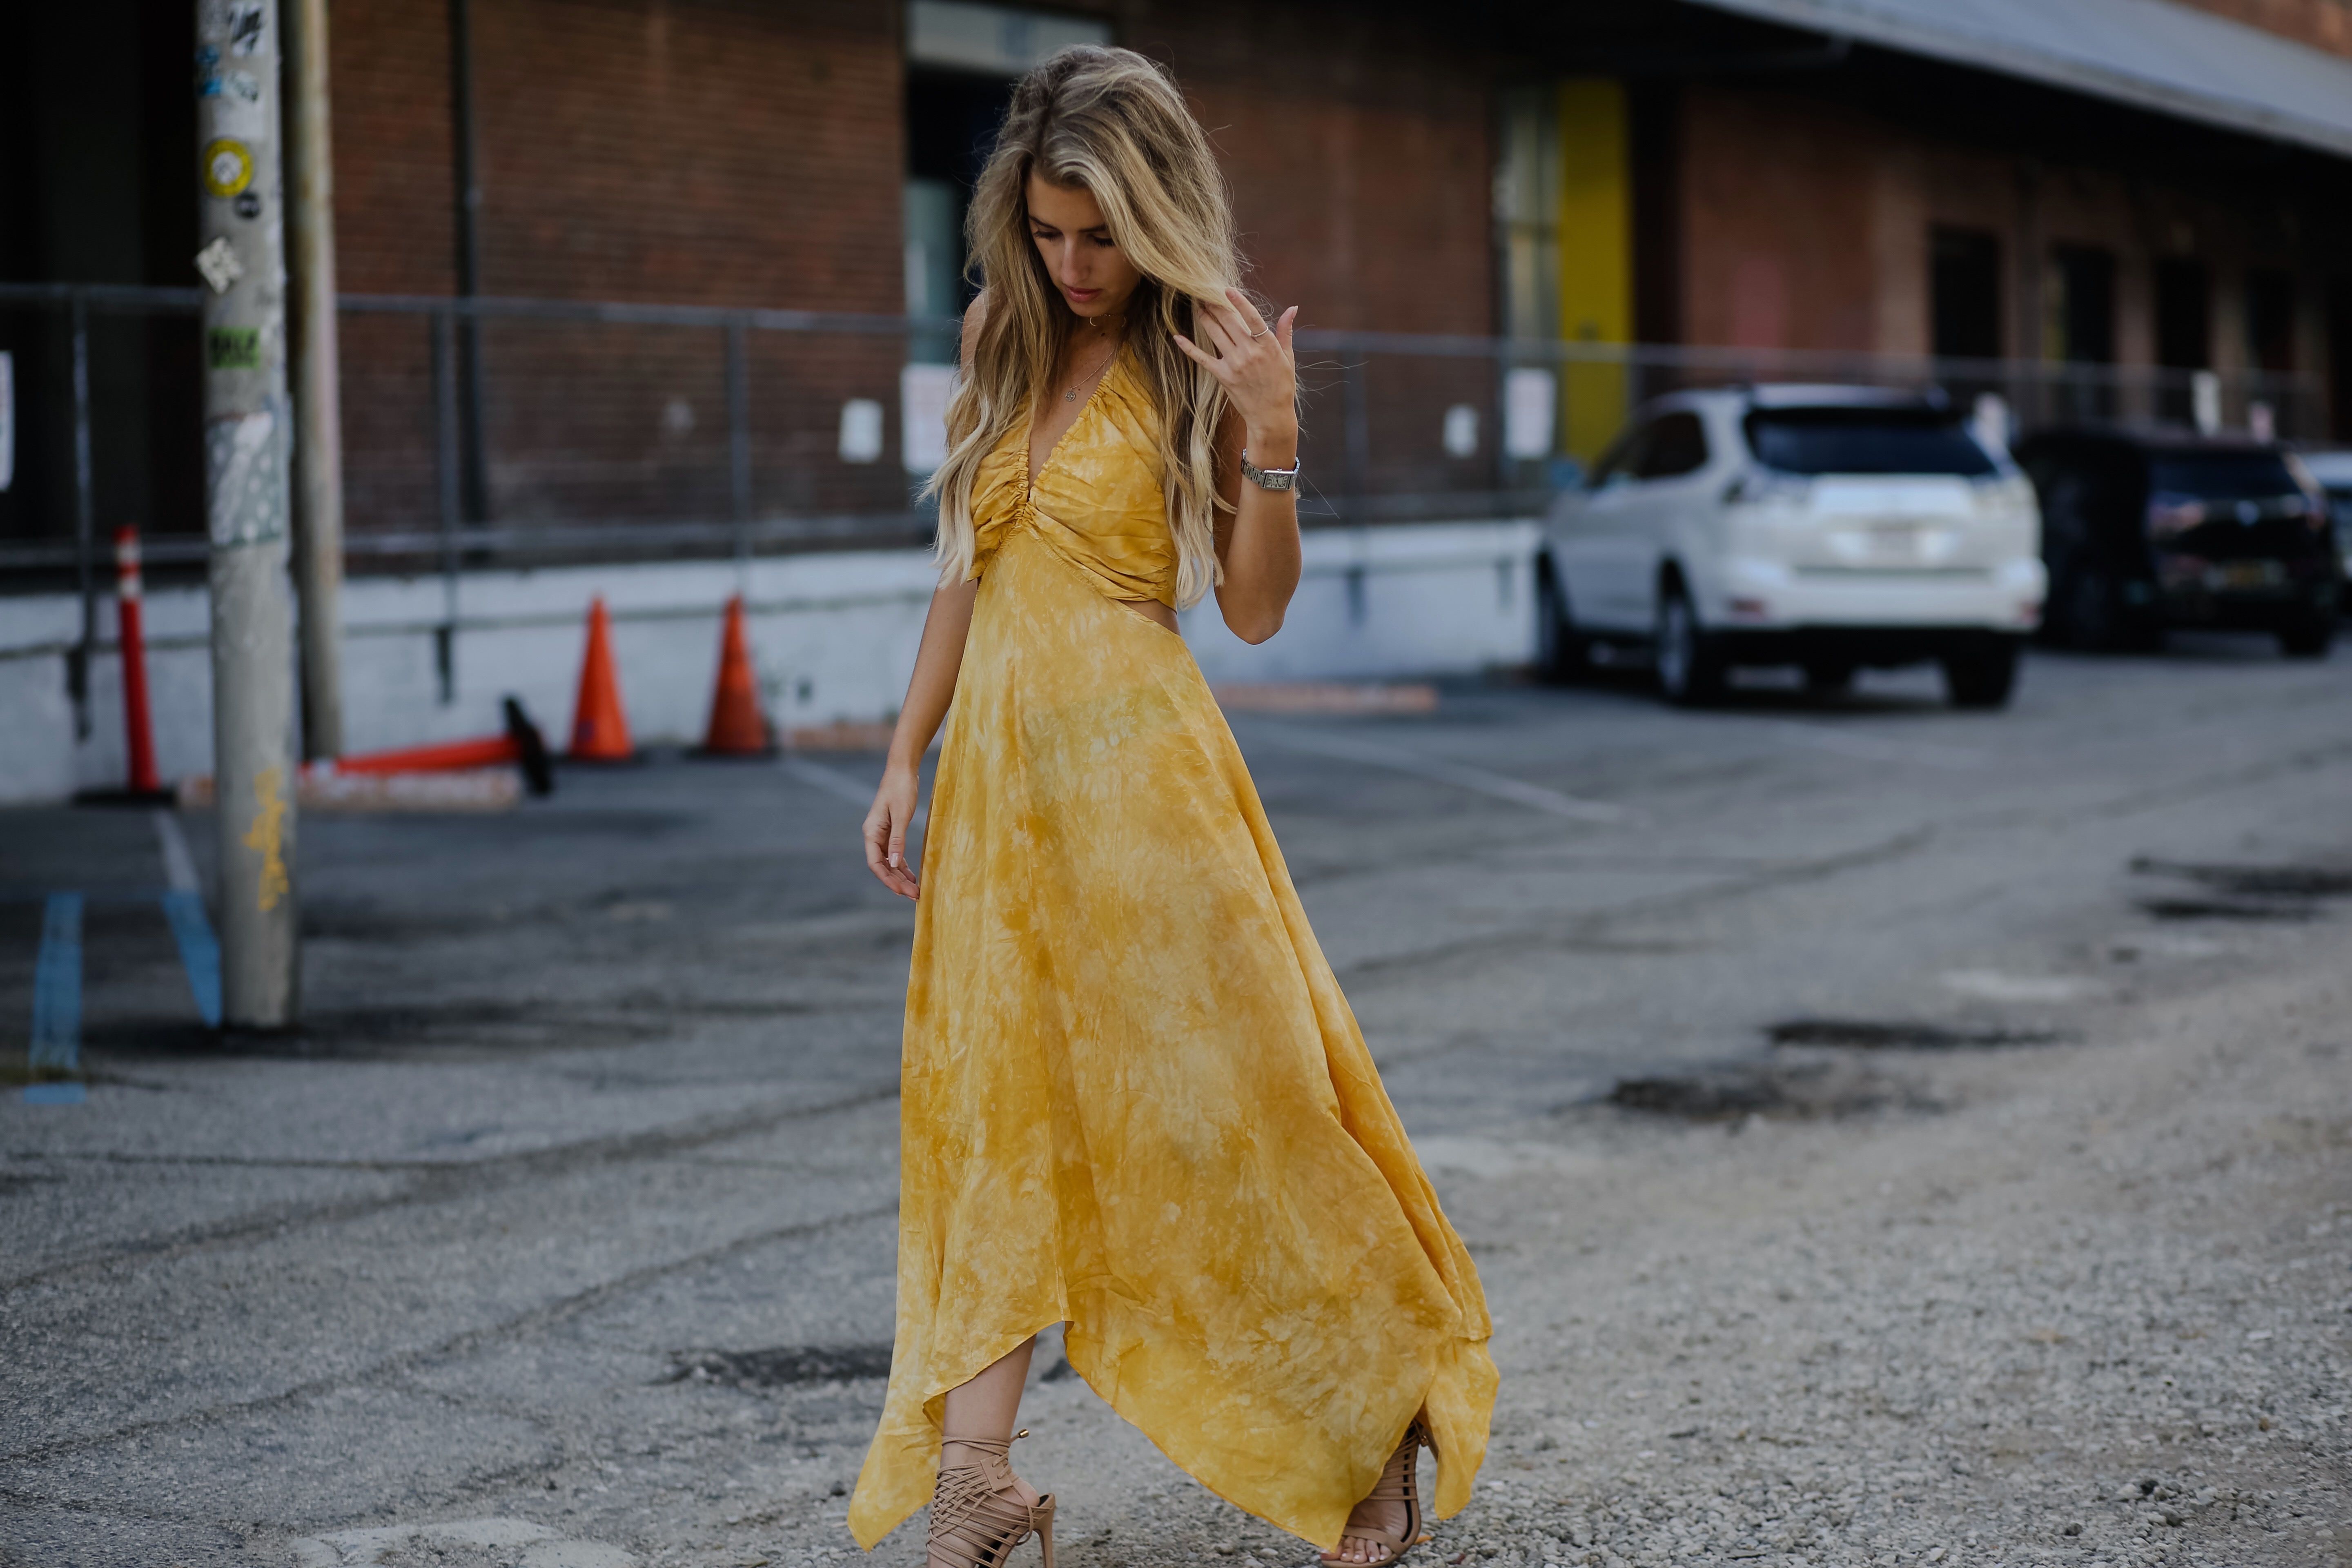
(2075, 1303)
(1913, 1137)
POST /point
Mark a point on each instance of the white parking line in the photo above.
(1477, 781)
(179, 867)
(831, 781)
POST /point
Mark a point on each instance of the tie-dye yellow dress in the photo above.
(1134, 1097)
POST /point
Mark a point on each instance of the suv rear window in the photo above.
(1864, 441)
(2221, 476)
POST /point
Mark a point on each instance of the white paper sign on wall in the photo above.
(923, 392)
(861, 430)
(1461, 431)
(1530, 412)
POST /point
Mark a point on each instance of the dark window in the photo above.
(2184, 337)
(1964, 289)
(1864, 441)
(1677, 445)
(951, 120)
(2221, 476)
(2085, 314)
(1623, 458)
(2270, 320)
(2339, 358)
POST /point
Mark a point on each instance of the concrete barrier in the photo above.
(833, 637)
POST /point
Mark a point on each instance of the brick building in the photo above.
(2125, 183)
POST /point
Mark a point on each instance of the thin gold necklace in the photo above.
(1071, 394)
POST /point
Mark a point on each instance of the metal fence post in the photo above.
(449, 482)
(85, 524)
(738, 436)
(1356, 415)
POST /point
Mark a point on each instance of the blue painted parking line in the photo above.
(56, 1000)
(199, 953)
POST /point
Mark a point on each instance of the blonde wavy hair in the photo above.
(1110, 121)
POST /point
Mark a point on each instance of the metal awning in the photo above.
(2147, 53)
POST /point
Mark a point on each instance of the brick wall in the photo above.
(2322, 24)
(705, 152)
(751, 153)
(1777, 197)
(1362, 183)
(717, 151)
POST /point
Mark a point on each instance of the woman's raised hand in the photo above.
(886, 831)
(1252, 360)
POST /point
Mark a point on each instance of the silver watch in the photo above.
(1269, 478)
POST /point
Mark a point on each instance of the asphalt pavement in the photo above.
(560, 1233)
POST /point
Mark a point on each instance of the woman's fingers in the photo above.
(1217, 368)
(1217, 329)
(1253, 324)
(885, 849)
(1284, 326)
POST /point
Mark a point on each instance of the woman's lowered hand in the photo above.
(886, 830)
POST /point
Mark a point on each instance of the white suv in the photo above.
(1826, 527)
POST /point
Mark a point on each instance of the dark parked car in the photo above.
(2145, 529)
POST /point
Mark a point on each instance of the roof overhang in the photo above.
(2150, 54)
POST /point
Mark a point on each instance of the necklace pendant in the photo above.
(1071, 395)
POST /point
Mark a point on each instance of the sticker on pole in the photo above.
(245, 471)
(243, 25)
(219, 265)
(233, 348)
(228, 167)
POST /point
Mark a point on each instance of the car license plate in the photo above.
(2245, 574)
(1892, 542)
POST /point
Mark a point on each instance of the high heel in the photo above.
(1400, 1482)
(974, 1522)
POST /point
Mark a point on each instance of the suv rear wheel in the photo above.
(1690, 668)
(2307, 638)
(1981, 678)
(1560, 652)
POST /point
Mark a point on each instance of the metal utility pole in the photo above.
(247, 434)
(318, 412)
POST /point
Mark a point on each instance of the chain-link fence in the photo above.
(483, 433)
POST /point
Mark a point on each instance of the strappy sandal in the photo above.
(975, 1520)
(1400, 1482)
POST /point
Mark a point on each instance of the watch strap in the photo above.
(1269, 478)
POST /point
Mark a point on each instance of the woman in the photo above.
(1134, 1099)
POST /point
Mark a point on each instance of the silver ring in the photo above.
(1259, 334)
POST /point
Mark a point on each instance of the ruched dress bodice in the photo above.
(1132, 1097)
(1098, 503)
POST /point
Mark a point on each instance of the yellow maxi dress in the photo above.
(1134, 1097)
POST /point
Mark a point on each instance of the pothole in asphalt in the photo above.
(2242, 892)
(781, 1367)
(1903, 1035)
(458, 1030)
(2262, 881)
(2224, 909)
(1803, 1090)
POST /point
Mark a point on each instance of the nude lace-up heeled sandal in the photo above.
(1400, 1482)
(976, 1521)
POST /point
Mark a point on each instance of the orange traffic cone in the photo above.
(600, 731)
(736, 728)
